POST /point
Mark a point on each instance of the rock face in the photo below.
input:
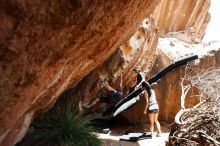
(189, 15)
(138, 51)
(48, 46)
(168, 90)
(186, 21)
(189, 19)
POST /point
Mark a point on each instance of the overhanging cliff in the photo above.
(48, 46)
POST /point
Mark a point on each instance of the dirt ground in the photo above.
(112, 138)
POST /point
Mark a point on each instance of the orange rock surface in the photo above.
(138, 51)
(49, 46)
(173, 15)
(168, 89)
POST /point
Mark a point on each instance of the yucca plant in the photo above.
(61, 127)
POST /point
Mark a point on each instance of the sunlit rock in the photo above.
(168, 89)
(173, 16)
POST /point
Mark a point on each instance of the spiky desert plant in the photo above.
(61, 127)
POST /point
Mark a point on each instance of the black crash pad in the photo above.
(128, 101)
(134, 137)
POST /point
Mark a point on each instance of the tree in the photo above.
(199, 125)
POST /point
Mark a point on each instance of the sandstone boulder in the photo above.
(49, 46)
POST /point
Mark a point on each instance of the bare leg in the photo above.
(151, 118)
(157, 123)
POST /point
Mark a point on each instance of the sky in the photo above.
(213, 29)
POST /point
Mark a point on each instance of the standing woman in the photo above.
(153, 111)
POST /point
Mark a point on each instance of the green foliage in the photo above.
(62, 127)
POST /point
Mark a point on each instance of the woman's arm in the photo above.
(108, 87)
(121, 83)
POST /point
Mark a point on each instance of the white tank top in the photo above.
(152, 102)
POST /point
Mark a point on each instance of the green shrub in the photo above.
(62, 127)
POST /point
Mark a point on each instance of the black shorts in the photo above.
(153, 111)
